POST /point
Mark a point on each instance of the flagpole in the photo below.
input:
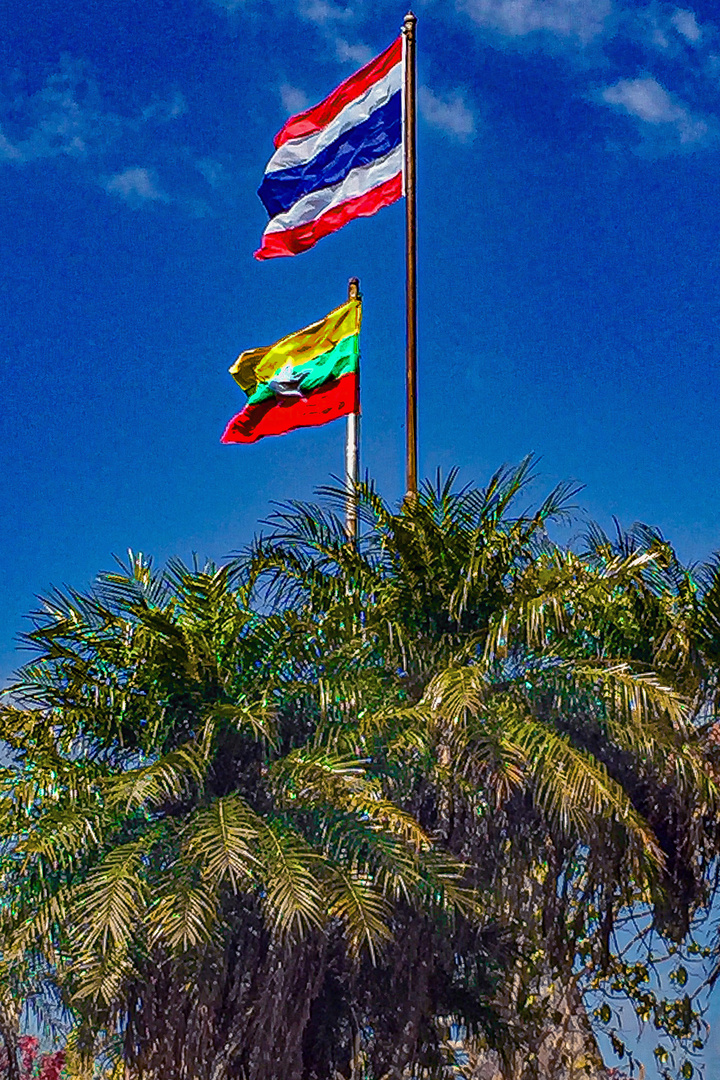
(409, 176)
(352, 439)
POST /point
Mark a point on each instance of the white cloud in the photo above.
(649, 102)
(658, 36)
(68, 118)
(197, 208)
(64, 118)
(166, 110)
(644, 98)
(357, 53)
(686, 24)
(450, 114)
(579, 19)
(211, 170)
(580, 33)
(136, 186)
(293, 99)
(327, 16)
(8, 152)
(650, 27)
(667, 29)
(323, 12)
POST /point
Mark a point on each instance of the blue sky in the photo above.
(568, 246)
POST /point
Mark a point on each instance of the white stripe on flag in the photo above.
(300, 151)
(357, 182)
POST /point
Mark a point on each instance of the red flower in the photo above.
(51, 1065)
(28, 1047)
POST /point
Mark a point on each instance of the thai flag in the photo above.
(338, 160)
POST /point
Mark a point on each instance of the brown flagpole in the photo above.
(352, 442)
(409, 178)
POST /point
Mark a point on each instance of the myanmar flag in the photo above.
(306, 379)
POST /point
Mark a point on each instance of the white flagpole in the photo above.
(352, 443)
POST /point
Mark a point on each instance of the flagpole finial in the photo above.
(409, 22)
(353, 288)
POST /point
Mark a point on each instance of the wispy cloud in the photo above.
(581, 31)
(324, 12)
(64, 118)
(450, 114)
(68, 118)
(686, 24)
(581, 20)
(661, 29)
(659, 113)
(136, 186)
(211, 170)
(293, 99)
(354, 53)
(321, 12)
(9, 152)
(327, 17)
(169, 109)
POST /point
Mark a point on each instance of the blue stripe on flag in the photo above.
(362, 144)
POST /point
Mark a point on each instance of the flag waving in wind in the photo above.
(306, 379)
(338, 160)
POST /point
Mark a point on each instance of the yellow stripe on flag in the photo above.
(258, 365)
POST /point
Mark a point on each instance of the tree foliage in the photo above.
(367, 802)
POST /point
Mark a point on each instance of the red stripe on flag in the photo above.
(302, 237)
(273, 417)
(316, 117)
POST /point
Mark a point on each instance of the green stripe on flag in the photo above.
(340, 360)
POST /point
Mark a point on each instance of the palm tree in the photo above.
(182, 854)
(528, 705)
(379, 804)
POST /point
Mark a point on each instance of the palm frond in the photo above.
(100, 975)
(573, 788)
(224, 840)
(63, 836)
(184, 915)
(167, 780)
(291, 897)
(363, 911)
(111, 901)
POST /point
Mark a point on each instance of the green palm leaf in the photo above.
(224, 841)
(292, 898)
(184, 916)
(112, 899)
(363, 911)
(167, 780)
